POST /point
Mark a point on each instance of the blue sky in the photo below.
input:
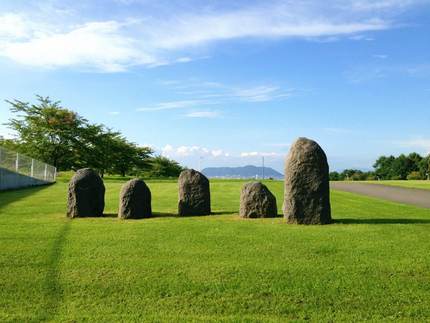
(227, 82)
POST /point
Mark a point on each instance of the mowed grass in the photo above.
(422, 184)
(372, 264)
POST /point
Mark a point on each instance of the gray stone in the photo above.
(194, 193)
(256, 201)
(135, 200)
(86, 194)
(307, 192)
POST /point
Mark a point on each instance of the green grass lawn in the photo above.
(423, 184)
(372, 264)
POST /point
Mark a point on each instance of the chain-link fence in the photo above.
(28, 166)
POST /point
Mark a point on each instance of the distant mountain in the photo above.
(249, 171)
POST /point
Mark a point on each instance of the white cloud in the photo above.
(13, 26)
(113, 113)
(361, 37)
(157, 38)
(366, 5)
(181, 104)
(261, 94)
(364, 73)
(218, 93)
(380, 56)
(416, 143)
(192, 151)
(203, 114)
(97, 44)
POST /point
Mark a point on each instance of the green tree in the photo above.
(47, 131)
(384, 167)
(164, 167)
(334, 176)
(424, 167)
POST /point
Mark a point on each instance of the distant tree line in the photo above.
(412, 166)
(61, 137)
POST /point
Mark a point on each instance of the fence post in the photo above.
(55, 174)
(46, 171)
(17, 162)
(32, 168)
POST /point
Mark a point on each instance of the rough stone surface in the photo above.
(307, 192)
(86, 194)
(256, 201)
(135, 200)
(194, 194)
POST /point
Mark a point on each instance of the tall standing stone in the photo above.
(194, 193)
(256, 201)
(307, 192)
(86, 194)
(135, 200)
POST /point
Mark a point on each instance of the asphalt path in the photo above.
(413, 196)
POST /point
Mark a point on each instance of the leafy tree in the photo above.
(128, 158)
(11, 144)
(384, 167)
(334, 176)
(424, 167)
(47, 131)
(61, 137)
(164, 167)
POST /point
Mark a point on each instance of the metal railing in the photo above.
(28, 166)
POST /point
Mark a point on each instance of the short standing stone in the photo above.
(307, 192)
(194, 193)
(86, 194)
(256, 201)
(135, 200)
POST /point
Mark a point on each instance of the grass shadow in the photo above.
(52, 290)
(164, 215)
(224, 212)
(10, 196)
(109, 215)
(381, 221)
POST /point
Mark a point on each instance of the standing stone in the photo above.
(256, 201)
(307, 192)
(86, 194)
(194, 194)
(135, 200)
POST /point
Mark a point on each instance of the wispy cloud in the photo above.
(203, 114)
(152, 38)
(262, 93)
(422, 144)
(113, 113)
(380, 56)
(222, 92)
(364, 73)
(181, 104)
(204, 94)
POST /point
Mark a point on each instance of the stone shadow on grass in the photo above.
(154, 215)
(381, 221)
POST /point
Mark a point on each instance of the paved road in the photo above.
(412, 196)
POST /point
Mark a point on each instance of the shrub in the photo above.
(414, 175)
